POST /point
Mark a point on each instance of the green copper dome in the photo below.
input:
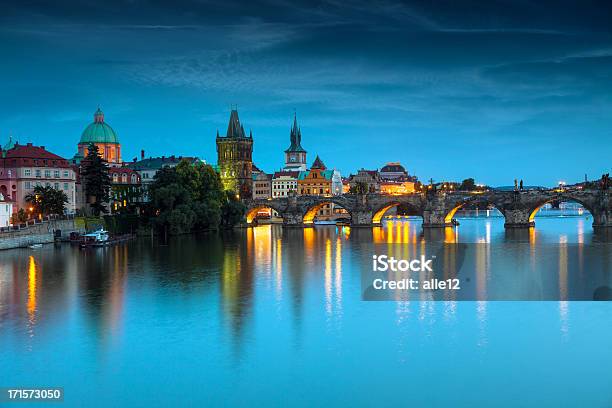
(98, 131)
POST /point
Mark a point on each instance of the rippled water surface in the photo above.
(273, 316)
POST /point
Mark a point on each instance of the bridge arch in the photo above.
(251, 212)
(563, 198)
(448, 218)
(311, 212)
(379, 213)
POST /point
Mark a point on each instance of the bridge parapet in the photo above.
(437, 209)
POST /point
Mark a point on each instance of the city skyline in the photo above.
(495, 93)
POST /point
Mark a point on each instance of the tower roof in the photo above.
(318, 164)
(234, 128)
(99, 131)
(296, 138)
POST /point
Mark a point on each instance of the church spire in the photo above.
(295, 137)
(234, 128)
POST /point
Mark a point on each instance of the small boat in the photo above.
(35, 246)
(96, 238)
(101, 239)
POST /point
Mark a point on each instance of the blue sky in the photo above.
(492, 90)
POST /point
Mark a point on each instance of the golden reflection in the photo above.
(309, 242)
(378, 235)
(449, 235)
(328, 273)
(262, 237)
(32, 290)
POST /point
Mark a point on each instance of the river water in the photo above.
(274, 317)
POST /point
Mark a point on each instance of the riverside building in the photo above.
(23, 167)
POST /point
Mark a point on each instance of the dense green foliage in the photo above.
(190, 197)
(359, 187)
(46, 201)
(96, 180)
(468, 185)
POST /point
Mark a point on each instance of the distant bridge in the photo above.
(436, 208)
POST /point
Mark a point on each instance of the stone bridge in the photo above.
(437, 209)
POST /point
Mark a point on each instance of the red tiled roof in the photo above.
(121, 170)
(31, 152)
(288, 173)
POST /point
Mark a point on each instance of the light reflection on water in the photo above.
(274, 316)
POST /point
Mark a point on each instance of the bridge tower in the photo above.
(235, 158)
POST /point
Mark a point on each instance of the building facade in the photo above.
(284, 183)
(23, 167)
(104, 137)
(126, 190)
(235, 158)
(295, 155)
(369, 178)
(395, 180)
(6, 211)
(262, 186)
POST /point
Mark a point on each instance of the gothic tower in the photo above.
(235, 158)
(295, 155)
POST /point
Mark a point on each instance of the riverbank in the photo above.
(41, 233)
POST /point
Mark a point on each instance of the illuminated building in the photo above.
(320, 181)
(284, 183)
(235, 158)
(104, 137)
(23, 167)
(395, 187)
(370, 178)
(295, 155)
(396, 180)
(126, 189)
(262, 184)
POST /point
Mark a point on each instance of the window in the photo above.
(37, 173)
(47, 184)
(56, 174)
(66, 173)
(65, 186)
(124, 178)
(27, 172)
(47, 173)
(27, 185)
(56, 186)
(115, 177)
(134, 179)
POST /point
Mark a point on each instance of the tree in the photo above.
(233, 210)
(359, 187)
(19, 217)
(468, 185)
(96, 180)
(46, 201)
(190, 197)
